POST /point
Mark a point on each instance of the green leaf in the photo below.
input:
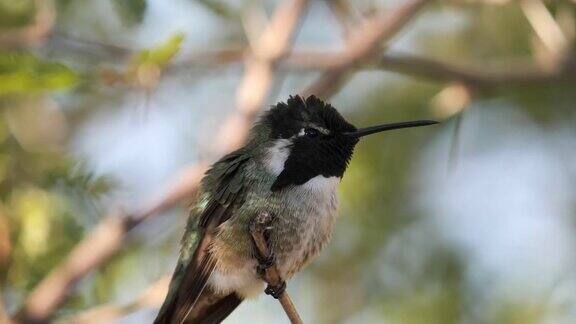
(162, 54)
(130, 11)
(25, 73)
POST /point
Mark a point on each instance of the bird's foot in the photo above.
(276, 291)
(265, 263)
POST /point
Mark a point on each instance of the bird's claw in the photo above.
(276, 291)
(265, 263)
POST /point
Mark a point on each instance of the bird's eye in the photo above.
(311, 132)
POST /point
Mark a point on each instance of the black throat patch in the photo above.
(327, 157)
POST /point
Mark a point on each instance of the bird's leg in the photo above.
(266, 268)
(264, 263)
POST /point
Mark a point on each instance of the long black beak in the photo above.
(386, 127)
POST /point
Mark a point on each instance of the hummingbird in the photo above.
(290, 166)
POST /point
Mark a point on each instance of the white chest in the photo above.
(316, 203)
(322, 208)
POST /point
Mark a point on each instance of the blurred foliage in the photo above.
(37, 217)
(42, 193)
(43, 189)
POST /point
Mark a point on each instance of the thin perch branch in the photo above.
(258, 230)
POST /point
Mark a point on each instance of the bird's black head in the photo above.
(310, 138)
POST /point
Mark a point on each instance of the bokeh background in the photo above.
(110, 110)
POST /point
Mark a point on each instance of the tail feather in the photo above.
(187, 294)
(191, 277)
(191, 300)
(215, 312)
(167, 310)
(209, 308)
(193, 289)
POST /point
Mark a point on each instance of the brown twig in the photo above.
(258, 230)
